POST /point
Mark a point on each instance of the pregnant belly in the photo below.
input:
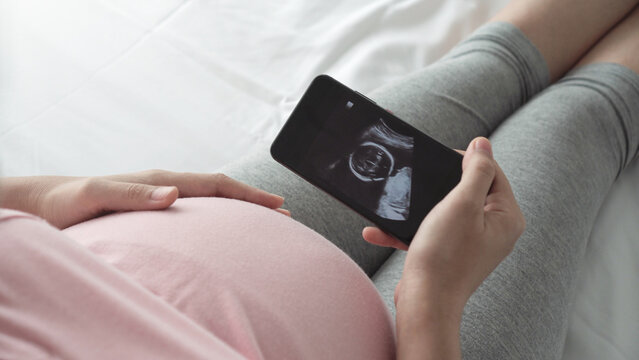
(265, 284)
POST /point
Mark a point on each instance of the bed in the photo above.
(91, 87)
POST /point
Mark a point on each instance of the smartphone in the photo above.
(383, 168)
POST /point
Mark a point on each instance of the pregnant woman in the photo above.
(216, 277)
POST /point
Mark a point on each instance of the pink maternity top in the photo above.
(208, 278)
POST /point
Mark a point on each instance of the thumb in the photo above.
(478, 170)
(117, 196)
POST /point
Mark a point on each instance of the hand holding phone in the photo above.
(366, 157)
(459, 243)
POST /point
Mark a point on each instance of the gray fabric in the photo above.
(447, 100)
(468, 93)
(561, 152)
(471, 90)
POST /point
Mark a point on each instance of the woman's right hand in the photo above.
(459, 243)
(65, 200)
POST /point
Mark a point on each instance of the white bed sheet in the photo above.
(92, 87)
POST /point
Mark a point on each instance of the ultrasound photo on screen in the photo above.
(370, 163)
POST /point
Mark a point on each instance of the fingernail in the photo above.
(284, 211)
(482, 144)
(161, 193)
(280, 198)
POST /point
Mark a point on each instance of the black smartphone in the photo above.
(383, 168)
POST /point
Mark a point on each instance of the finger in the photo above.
(502, 211)
(376, 236)
(284, 211)
(196, 185)
(233, 189)
(500, 192)
(107, 195)
(398, 289)
(478, 171)
(201, 185)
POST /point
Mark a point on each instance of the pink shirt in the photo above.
(207, 278)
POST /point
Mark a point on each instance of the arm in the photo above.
(459, 243)
(427, 324)
(64, 201)
(21, 193)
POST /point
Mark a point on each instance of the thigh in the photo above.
(464, 95)
(562, 153)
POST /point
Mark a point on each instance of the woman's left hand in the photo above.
(64, 201)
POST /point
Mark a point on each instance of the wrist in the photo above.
(422, 308)
(20, 193)
(428, 322)
(431, 295)
(427, 332)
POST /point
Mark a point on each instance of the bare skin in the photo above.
(66, 200)
(565, 30)
(621, 45)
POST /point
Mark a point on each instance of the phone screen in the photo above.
(366, 157)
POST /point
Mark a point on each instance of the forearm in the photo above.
(25, 193)
(15, 194)
(427, 326)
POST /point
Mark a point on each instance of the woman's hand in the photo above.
(459, 243)
(64, 201)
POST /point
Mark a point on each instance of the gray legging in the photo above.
(561, 152)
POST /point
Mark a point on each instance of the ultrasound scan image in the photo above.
(371, 164)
